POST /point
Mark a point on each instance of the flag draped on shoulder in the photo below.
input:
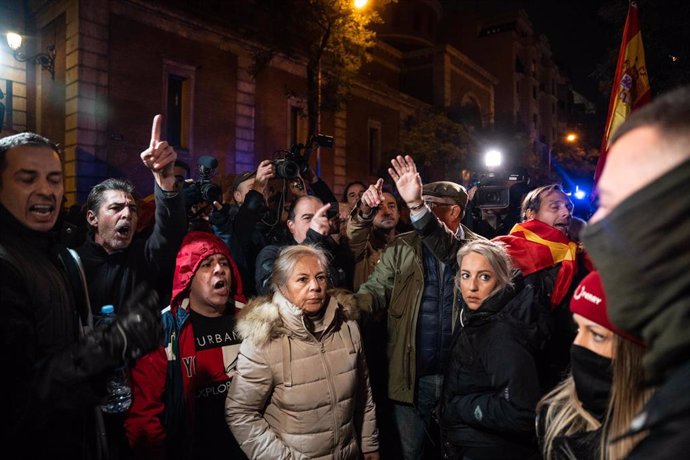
(630, 88)
(534, 246)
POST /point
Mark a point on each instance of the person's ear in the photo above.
(291, 226)
(456, 211)
(92, 218)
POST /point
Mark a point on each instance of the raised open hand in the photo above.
(407, 180)
(160, 157)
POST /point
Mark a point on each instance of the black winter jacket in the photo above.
(245, 230)
(667, 418)
(340, 258)
(491, 386)
(52, 379)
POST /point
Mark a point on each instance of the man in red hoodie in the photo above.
(178, 391)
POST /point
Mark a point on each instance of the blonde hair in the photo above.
(628, 395)
(564, 415)
(495, 253)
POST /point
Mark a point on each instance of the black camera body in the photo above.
(493, 192)
(290, 166)
(295, 162)
(203, 189)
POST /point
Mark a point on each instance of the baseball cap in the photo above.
(241, 178)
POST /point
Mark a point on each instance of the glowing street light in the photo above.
(14, 40)
(359, 4)
(571, 137)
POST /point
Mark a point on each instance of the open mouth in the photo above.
(562, 226)
(42, 210)
(220, 284)
(123, 230)
(221, 287)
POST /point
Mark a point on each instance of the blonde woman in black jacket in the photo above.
(491, 385)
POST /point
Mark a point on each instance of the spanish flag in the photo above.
(534, 246)
(630, 88)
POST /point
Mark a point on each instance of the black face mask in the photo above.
(592, 374)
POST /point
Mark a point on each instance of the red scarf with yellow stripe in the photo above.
(534, 245)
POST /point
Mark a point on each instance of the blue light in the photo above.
(579, 194)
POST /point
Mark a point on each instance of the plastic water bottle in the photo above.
(119, 396)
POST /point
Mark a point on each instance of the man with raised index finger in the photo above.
(308, 223)
(115, 261)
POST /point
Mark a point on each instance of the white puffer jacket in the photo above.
(298, 397)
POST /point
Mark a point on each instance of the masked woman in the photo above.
(302, 386)
(491, 385)
(596, 403)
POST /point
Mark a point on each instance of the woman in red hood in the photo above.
(178, 391)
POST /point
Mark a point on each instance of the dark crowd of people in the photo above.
(274, 321)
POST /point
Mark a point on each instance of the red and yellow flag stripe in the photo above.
(630, 84)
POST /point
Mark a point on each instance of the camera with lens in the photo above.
(295, 162)
(494, 192)
(203, 189)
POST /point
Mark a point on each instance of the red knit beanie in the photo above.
(589, 301)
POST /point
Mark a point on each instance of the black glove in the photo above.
(220, 217)
(138, 328)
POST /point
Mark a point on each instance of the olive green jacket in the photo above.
(395, 287)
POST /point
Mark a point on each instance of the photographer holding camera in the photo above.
(242, 225)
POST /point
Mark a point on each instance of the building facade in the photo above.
(120, 62)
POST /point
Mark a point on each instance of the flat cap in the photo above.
(447, 192)
(241, 178)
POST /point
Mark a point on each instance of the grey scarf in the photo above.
(642, 251)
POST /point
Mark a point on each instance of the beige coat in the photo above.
(298, 397)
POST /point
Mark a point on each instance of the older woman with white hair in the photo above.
(302, 386)
(491, 386)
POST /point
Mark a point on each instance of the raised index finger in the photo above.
(322, 210)
(156, 129)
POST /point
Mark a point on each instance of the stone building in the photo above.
(120, 62)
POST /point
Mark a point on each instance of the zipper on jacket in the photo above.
(331, 390)
(406, 366)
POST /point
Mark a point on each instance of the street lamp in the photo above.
(359, 4)
(46, 60)
(571, 137)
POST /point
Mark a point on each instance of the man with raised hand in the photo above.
(114, 260)
(245, 225)
(371, 225)
(539, 247)
(56, 366)
(308, 223)
(416, 292)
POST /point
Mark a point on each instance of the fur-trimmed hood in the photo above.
(269, 317)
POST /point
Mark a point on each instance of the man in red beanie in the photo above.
(179, 390)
